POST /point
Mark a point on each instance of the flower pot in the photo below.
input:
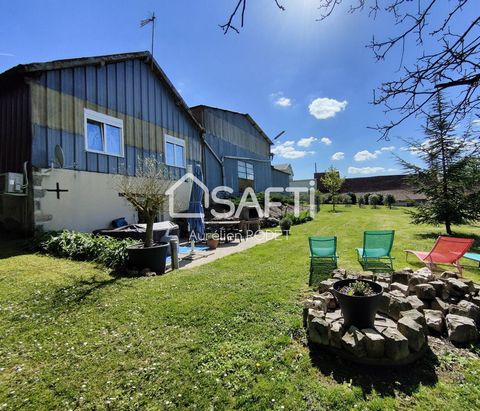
(285, 231)
(153, 257)
(212, 243)
(359, 311)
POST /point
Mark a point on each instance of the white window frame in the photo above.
(246, 165)
(177, 142)
(104, 119)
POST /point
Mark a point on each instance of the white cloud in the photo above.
(326, 141)
(393, 170)
(365, 170)
(305, 142)
(6, 55)
(283, 102)
(323, 108)
(365, 155)
(338, 156)
(287, 150)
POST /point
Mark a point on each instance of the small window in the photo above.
(174, 151)
(245, 170)
(103, 134)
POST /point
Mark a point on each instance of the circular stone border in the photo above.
(414, 304)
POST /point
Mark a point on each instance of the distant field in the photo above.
(227, 335)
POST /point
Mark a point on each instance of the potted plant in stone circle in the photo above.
(213, 240)
(146, 193)
(359, 301)
(285, 224)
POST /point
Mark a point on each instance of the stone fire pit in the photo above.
(413, 305)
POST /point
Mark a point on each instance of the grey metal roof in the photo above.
(285, 167)
(25, 69)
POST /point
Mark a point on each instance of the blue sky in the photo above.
(287, 70)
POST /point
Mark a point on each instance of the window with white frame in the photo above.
(103, 134)
(174, 151)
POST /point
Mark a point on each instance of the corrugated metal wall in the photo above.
(280, 179)
(127, 90)
(15, 126)
(232, 135)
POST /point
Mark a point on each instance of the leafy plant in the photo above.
(357, 288)
(374, 200)
(333, 183)
(107, 251)
(389, 200)
(285, 223)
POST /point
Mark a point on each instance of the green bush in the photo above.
(303, 217)
(110, 252)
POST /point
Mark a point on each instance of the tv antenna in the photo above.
(144, 22)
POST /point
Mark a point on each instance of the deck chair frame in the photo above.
(316, 261)
(373, 263)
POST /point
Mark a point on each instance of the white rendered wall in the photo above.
(90, 203)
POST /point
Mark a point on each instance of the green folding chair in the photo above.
(375, 253)
(323, 251)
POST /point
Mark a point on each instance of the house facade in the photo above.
(237, 151)
(69, 127)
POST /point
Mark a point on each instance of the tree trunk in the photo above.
(149, 230)
(448, 227)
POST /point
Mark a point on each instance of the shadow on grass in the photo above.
(79, 291)
(14, 247)
(387, 381)
(322, 271)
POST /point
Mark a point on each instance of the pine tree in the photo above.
(449, 175)
(333, 183)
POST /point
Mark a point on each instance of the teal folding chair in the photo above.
(323, 250)
(375, 253)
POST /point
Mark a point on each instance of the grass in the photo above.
(225, 335)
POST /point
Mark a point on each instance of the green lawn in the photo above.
(225, 335)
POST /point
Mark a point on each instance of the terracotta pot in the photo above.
(212, 243)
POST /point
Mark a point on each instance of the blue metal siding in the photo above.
(128, 90)
(280, 179)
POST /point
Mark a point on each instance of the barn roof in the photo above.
(22, 70)
(201, 107)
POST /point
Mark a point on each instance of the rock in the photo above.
(400, 287)
(325, 285)
(384, 303)
(374, 343)
(440, 305)
(448, 274)
(425, 291)
(396, 344)
(467, 309)
(402, 276)
(470, 284)
(476, 289)
(416, 279)
(312, 313)
(318, 331)
(316, 308)
(397, 305)
(413, 331)
(416, 302)
(366, 275)
(461, 330)
(476, 301)
(383, 278)
(353, 341)
(339, 273)
(425, 272)
(456, 288)
(334, 316)
(435, 320)
(326, 300)
(397, 293)
(147, 272)
(438, 285)
(384, 285)
(383, 322)
(416, 316)
(335, 334)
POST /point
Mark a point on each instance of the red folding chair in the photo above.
(446, 250)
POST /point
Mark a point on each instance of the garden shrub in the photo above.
(110, 252)
(303, 217)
